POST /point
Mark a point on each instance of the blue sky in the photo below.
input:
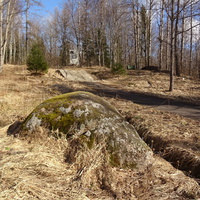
(48, 7)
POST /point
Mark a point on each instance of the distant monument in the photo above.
(74, 57)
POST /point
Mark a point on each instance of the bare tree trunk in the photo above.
(9, 20)
(182, 43)
(198, 56)
(21, 49)
(191, 36)
(149, 32)
(1, 35)
(14, 50)
(27, 9)
(10, 50)
(167, 45)
(161, 37)
(136, 36)
(171, 87)
(176, 61)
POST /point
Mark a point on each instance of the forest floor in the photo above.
(173, 136)
(188, 106)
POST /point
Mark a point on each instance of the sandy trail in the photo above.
(184, 109)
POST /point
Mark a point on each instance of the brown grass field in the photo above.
(35, 168)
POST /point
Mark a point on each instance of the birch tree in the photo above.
(191, 38)
(161, 26)
(136, 28)
(75, 19)
(1, 35)
(173, 10)
(9, 9)
(26, 8)
(122, 31)
(51, 39)
(7, 13)
(182, 42)
(150, 6)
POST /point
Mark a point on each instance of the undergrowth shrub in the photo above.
(118, 68)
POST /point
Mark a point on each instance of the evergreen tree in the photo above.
(36, 60)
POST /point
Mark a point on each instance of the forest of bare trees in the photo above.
(163, 33)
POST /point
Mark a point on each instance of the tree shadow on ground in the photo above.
(137, 97)
(62, 88)
(185, 109)
(174, 151)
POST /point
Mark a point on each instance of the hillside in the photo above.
(35, 168)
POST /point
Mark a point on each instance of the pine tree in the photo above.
(36, 60)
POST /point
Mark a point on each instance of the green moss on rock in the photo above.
(88, 119)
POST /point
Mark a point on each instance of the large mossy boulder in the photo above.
(89, 120)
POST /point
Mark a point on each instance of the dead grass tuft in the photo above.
(35, 167)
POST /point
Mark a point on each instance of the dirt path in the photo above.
(183, 154)
(166, 104)
(184, 109)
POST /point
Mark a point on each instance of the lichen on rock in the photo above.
(33, 122)
(89, 120)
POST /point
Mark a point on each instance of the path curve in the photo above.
(188, 110)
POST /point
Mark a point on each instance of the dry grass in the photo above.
(185, 88)
(34, 167)
(20, 92)
(160, 130)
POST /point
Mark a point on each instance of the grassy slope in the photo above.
(35, 168)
